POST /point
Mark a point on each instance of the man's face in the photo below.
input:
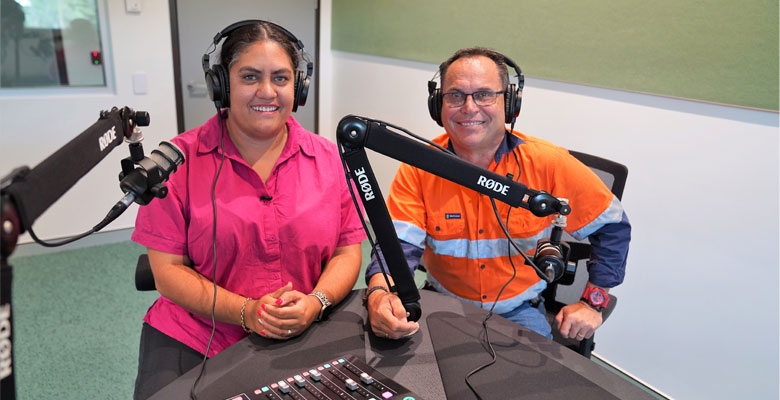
(472, 127)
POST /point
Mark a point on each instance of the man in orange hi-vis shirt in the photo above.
(453, 230)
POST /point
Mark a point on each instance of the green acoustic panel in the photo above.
(720, 51)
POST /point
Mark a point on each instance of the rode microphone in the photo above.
(143, 183)
(549, 258)
(552, 256)
(146, 181)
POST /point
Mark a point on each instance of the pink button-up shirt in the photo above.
(268, 234)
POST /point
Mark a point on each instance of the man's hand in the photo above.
(578, 321)
(388, 316)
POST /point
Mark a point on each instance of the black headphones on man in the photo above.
(217, 82)
(513, 95)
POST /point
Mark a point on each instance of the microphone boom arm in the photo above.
(33, 191)
(27, 193)
(355, 134)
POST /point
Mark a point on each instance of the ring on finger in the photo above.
(289, 332)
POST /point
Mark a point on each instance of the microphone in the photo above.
(552, 256)
(146, 182)
(549, 259)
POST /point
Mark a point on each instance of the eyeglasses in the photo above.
(481, 98)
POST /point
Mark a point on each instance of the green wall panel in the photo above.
(710, 50)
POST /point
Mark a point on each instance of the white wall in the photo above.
(698, 311)
(36, 123)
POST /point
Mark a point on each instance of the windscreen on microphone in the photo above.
(147, 180)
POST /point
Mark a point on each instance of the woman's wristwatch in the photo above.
(324, 301)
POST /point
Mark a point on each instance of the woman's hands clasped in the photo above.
(284, 313)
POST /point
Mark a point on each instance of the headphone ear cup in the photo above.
(301, 89)
(518, 101)
(509, 102)
(512, 98)
(212, 84)
(434, 105)
(218, 86)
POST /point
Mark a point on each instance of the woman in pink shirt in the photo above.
(259, 213)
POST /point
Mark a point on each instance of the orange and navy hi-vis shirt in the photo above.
(465, 251)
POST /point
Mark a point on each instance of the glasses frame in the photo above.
(466, 96)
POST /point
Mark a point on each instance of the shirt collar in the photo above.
(507, 145)
(209, 139)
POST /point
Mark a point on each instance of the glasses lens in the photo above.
(454, 99)
(481, 98)
(484, 98)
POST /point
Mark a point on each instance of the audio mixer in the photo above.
(346, 377)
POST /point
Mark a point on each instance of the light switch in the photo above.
(140, 85)
(133, 6)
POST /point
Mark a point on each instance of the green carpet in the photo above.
(77, 322)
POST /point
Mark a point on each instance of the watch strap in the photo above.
(323, 300)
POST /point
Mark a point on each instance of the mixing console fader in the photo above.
(347, 377)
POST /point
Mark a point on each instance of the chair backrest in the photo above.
(613, 174)
(144, 279)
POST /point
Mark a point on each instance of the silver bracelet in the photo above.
(243, 324)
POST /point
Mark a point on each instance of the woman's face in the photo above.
(262, 82)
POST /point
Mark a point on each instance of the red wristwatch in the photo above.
(596, 298)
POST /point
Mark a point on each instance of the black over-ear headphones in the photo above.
(513, 95)
(217, 82)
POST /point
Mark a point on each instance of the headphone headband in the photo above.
(512, 94)
(232, 27)
(217, 81)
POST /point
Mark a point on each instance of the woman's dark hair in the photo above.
(497, 58)
(244, 36)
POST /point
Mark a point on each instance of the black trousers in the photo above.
(161, 359)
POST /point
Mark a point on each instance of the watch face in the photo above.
(596, 298)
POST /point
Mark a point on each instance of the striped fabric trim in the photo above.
(409, 233)
(502, 306)
(485, 248)
(613, 214)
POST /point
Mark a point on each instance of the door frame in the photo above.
(174, 15)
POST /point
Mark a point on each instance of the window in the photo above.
(50, 43)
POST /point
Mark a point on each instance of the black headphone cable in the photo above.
(214, 248)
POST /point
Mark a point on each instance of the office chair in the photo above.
(557, 296)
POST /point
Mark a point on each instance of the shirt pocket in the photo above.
(446, 226)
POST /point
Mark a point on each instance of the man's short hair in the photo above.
(497, 58)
